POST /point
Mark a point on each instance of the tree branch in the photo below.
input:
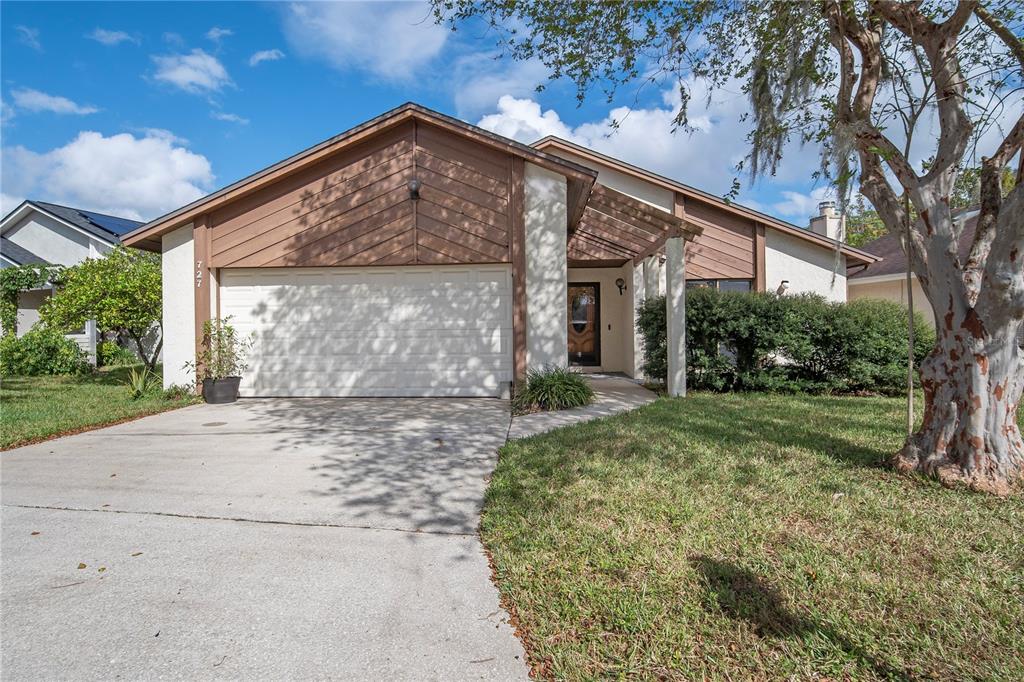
(991, 203)
(1012, 42)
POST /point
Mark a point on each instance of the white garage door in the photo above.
(403, 331)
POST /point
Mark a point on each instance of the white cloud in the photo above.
(124, 175)
(6, 113)
(216, 33)
(9, 202)
(163, 134)
(480, 79)
(34, 100)
(802, 206)
(265, 56)
(705, 158)
(29, 36)
(196, 72)
(172, 38)
(391, 40)
(111, 38)
(230, 118)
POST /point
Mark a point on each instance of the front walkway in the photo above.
(614, 394)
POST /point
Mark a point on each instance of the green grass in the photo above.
(35, 408)
(739, 537)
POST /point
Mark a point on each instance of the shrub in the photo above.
(41, 350)
(762, 342)
(653, 327)
(179, 392)
(223, 353)
(110, 354)
(141, 382)
(552, 388)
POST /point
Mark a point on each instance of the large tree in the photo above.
(871, 81)
(121, 291)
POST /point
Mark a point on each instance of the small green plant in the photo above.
(178, 392)
(111, 354)
(41, 351)
(141, 382)
(223, 353)
(552, 388)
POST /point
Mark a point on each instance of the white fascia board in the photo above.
(878, 279)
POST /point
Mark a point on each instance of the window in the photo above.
(720, 284)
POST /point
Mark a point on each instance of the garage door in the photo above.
(405, 331)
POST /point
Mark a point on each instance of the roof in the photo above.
(554, 142)
(106, 227)
(19, 255)
(581, 178)
(616, 228)
(894, 260)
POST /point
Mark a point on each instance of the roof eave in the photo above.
(673, 185)
(146, 233)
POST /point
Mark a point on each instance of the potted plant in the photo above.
(221, 361)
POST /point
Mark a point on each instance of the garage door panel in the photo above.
(402, 331)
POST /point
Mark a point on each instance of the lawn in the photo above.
(35, 408)
(741, 537)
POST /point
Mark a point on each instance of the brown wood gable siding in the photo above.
(354, 208)
(616, 228)
(725, 249)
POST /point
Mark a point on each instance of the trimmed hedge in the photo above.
(40, 351)
(763, 342)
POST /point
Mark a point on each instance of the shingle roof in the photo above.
(104, 226)
(894, 261)
(19, 254)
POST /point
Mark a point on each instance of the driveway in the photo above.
(266, 539)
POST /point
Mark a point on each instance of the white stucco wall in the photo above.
(54, 241)
(616, 315)
(808, 268)
(179, 307)
(892, 290)
(635, 187)
(547, 335)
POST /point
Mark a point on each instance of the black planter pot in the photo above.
(221, 390)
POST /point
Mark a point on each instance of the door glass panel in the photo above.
(584, 324)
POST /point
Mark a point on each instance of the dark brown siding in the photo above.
(354, 208)
(725, 250)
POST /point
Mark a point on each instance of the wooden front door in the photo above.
(584, 318)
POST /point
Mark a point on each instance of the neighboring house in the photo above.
(887, 278)
(49, 234)
(417, 255)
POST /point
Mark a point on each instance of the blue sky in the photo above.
(137, 108)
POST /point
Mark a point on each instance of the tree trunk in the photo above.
(972, 385)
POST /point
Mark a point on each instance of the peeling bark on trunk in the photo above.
(972, 385)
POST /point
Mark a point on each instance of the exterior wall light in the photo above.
(621, 284)
(414, 189)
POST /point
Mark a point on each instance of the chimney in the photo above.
(827, 223)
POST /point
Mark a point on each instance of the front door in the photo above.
(585, 324)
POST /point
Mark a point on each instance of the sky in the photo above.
(136, 109)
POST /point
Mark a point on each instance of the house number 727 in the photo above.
(199, 274)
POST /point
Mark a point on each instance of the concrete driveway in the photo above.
(269, 539)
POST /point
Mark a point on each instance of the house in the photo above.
(417, 255)
(38, 232)
(738, 249)
(886, 278)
